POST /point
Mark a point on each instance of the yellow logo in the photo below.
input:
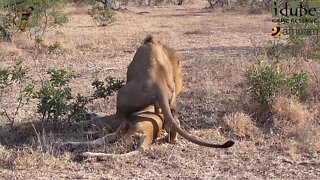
(276, 31)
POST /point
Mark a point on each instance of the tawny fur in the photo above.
(154, 78)
(145, 125)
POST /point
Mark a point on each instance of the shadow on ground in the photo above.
(35, 132)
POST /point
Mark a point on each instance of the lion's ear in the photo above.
(151, 39)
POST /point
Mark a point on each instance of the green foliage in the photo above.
(40, 43)
(59, 77)
(46, 13)
(14, 76)
(51, 48)
(278, 50)
(103, 91)
(59, 17)
(53, 101)
(243, 3)
(56, 100)
(103, 15)
(78, 109)
(265, 82)
(298, 84)
(54, 47)
(54, 95)
(5, 79)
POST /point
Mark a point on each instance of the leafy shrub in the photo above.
(59, 18)
(54, 95)
(51, 48)
(103, 15)
(103, 91)
(46, 13)
(265, 82)
(298, 84)
(78, 109)
(277, 50)
(56, 100)
(14, 76)
(54, 47)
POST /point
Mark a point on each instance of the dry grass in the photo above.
(215, 48)
(296, 125)
(22, 41)
(242, 125)
(316, 110)
(290, 112)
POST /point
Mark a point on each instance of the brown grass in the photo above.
(296, 125)
(289, 111)
(242, 125)
(22, 41)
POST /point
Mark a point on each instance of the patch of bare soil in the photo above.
(215, 49)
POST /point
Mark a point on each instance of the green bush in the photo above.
(265, 82)
(59, 18)
(10, 78)
(278, 50)
(78, 109)
(47, 13)
(103, 91)
(103, 15)
(56, 100)
(54, 95)
(54, 47)
(298, 84)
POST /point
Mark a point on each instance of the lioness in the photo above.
(144, 125)
(154, 78)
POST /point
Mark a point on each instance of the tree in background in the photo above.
(47, 13)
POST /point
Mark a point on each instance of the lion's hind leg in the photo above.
(85, 144)
(144, 143)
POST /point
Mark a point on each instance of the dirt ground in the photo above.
(215, 48)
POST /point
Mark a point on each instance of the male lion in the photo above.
(144, 125)
(154, 78)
